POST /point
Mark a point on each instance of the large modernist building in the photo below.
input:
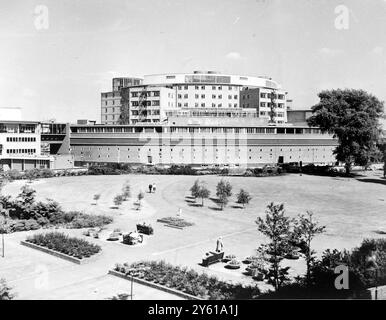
(246, 142)
(200, 91)
(202, 118)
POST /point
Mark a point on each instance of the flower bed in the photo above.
(62, 243)
(187, 281)
(177, 222)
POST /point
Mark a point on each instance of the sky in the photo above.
(57, 70)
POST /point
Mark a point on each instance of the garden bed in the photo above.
(184, 282)
(175, 222)
(58, 244)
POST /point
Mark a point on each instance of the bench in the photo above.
(213, 258)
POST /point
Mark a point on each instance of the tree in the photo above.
(5, 291)
(305, 231)
(140, 196)
(96, 198)
(223, 192)
(277, 227)
(4, 217)
(203, 193)
(195, 189)
(126, 191)
(243, 197)
(27, 195)
(351, 116)
(118, 199)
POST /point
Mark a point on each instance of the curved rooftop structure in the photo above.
(210, 78)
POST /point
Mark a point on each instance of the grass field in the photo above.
(350, 209)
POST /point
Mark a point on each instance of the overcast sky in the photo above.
(59, 72)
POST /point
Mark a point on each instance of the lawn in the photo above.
(350, 209)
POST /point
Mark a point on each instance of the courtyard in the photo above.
(351, 210)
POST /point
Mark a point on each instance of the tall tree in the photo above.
(277, 227)
(96, 198)
(126, 191)
(243, 197)
(305, 230)
(194, 190)
(223, 192)
(203, 193)
(352, 116)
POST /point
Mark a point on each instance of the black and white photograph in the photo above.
(209, 151)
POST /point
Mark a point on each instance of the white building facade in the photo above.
(205, 90)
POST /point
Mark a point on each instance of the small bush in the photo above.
(23, 225)
(5, 291)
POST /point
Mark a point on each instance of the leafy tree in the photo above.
(126, 191)
(195, 189)
(203, 193)
(223, 192)
(243, 197)
(27, 195)
(352, 116)
(96, 198)
(305, 231)
(118, 199)
(140, 196)
(277, 227)
(5, 291)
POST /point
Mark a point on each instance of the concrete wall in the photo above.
(203, 149)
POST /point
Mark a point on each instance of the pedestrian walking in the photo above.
(150, 187)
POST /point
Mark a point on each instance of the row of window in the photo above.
(204, 87)
(269, 95)
(146, 103)
(203, 105)
(112, 102)
(21, 139)
(206, 150)
(264, 130)
(145, 94)
(21, 151)
(111, 95)
(113, 110)
(263, 105)
(148, 112)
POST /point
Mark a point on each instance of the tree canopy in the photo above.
(352, 116)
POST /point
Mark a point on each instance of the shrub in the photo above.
(5, 291)
(23, 225)
(60, 242)
(82, 220)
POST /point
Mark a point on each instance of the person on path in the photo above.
(150, 187)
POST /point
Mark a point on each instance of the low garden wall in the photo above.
(56, 254)
(154, 285)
